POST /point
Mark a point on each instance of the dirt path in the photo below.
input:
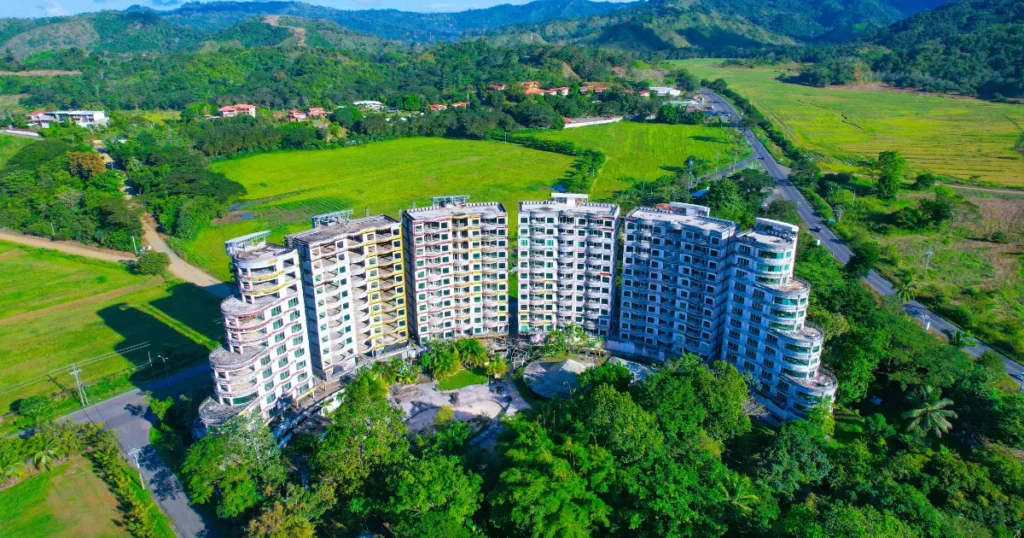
(68, 247)
(179, 267)
(297, 31)
(64, 307)
(984, 189)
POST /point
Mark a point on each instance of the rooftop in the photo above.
(575, 203)
(698, 221)
(266, 251)
(329, 233)
(763, 238)
(491, 209)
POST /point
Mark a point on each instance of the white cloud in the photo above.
(51, 8)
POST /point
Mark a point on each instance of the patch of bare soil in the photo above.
(883, 87)
(297, 31)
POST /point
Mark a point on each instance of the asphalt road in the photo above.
(130, 417)
(838, 248)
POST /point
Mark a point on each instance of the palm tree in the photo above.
(962, 339)
(44, 452)
(930, 413)
(906, 290)
(738, 491)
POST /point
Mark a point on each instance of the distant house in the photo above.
(243, 108)
(665, 91)
(278, 115)
(562, 90)
(530, 85)
(81, 118)
(460, 104)
(296, 115)
(375, 106)
(596, 88)
(533, 91)
(228, 111)
(316, 112)
(496, 86)
(645, 93)
(437, 108)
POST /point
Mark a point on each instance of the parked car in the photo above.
(816, 229)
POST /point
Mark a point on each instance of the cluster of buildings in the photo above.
(83, 118)
(349, 292)
(294, 115)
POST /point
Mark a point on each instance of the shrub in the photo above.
(151, 262)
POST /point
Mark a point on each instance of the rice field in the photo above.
(286, 188)
(650, 150)
(968, 139)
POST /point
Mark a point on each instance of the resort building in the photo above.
(264, 365)
(674, 281)
(766, 331)
(457, 268)
(81, 118)
(353, 282)
(566, 264)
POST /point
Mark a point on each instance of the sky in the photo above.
(49, 8)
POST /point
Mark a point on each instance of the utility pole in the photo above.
(75, 371)
(927, 261)
(134, 248)
(53, 231)
(689, 179)
(134, 453)
(164, 359)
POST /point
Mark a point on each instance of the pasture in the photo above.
(286, 188)
(650, 150)
(58, 309)
(69, 500)
(968, 139)
(10, 144)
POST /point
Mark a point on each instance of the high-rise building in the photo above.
(691, 283)
(264, 365)
(566, 264)
(766, 330)
(457, 267)
(354, 284)
(674, 281)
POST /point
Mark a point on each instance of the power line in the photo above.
(78, 381)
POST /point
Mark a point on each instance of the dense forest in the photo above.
(926, 444)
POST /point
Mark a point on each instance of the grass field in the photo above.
(963, 138)
(463, 378)
(649, 150)
(58, 309)
(286, 188)
(9, 145)
(68, 501)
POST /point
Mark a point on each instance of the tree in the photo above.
(497, 367)
(614, 421)
(12, 458)
(906, 289)
(738, 491)
(616, 375)
(796, 458)
(280, 522)
(432, 496)
(441, 359)
(548, 489)
(962, 339)
(43, 451)
(151, 262)
(568, 341)
(865, 255)
(471, 352)
(890, 171)
(930, 413)
(34, 408)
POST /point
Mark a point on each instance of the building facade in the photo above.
(692, 284)
(567, 264)
(674, 281)
(766, 331)
(457, 268)
(264, 365)
(354, 286)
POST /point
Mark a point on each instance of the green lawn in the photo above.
(9, 145)
(73, 310)
(649, 150)
(463, 378)
(70, 501)
(845, 126)
(384, 177)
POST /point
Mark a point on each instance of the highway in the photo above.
(836, 246)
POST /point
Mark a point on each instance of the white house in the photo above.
(375, 106)
(82, 118)
(665, 91)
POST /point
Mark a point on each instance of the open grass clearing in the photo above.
(286, 188)
(463, 378)
(650, 150)
(78, 310)
(959, 137)
(69, 500)
(10, 144)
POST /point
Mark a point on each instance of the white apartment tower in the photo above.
(457, 268)
(354, 285)
(766, 332)
(674, 281)
(264, 365)
(566, 264)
